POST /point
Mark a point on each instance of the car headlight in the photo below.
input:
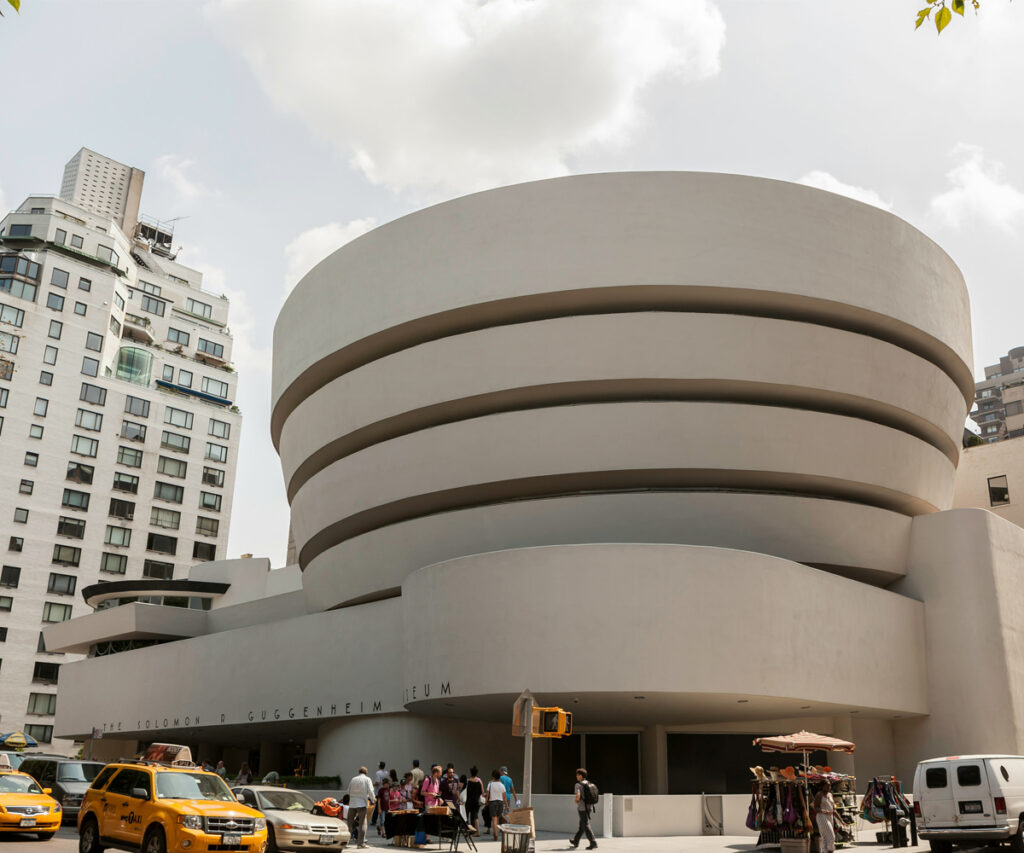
(191, 821)
(297, 827)
(261, 824)
(56, 808)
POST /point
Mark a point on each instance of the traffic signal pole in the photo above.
(528, 756)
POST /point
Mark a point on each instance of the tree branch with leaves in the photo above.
(16, 4)
(943, 12)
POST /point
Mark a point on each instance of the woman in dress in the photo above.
(825, 810)
(474, 793)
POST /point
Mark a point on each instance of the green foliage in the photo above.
(943, 12)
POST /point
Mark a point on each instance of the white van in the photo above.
(967, 798)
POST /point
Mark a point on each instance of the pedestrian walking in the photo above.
(510, 790)
(430, 790)
(474, 794)
(495, 799)
(381, 773)
(360, 792)
(825, 808)
(583, 809)
(221, 770)
(244, 776)
(417, 773)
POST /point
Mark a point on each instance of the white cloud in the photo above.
(978, 194)
(826, 181)
(312, 246)
(3, 203)
(458, 95)
(172, 168)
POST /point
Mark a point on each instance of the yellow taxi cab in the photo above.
(24, 806)
(163, 803)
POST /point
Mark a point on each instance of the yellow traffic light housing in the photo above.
(551, 722)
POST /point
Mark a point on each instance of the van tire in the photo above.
(1017, 840)
(943, 846)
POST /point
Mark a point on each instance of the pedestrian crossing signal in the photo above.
(551, 722)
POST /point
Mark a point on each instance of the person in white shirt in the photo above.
(495, 798)
(360, 792)
(381, 774)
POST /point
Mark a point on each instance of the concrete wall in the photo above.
(978, 464)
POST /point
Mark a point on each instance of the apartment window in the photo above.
(115, 326)
(75, 499)
(3, 635)
(93, 394)
(176, 336)
(90, 366)
(21, 230)
(168, 492)
(53, 612)
(7, 369)
(105, 253)
(178, 417)
(152, 306)
(43, 734)
(10, 576)
(9, 343)
(207, 526)
(55, 301)
(61, 584)
(76, 241)
(88, 419)
(60, 236)
(168, 373)
(161, 517)
(31, 459)
(185, 378)
(146, 287)
(71, 527)
(130, 457)
(162, 544)
(15, 543)
(209, 500)
(41, 407)
(59, 278)
(115, 564)
(26, 487)
(79, 473)
(126, 482)
(133, 431)
(19, 288)
(3, 398)
(215, 387)
(121, 536)
(50, 355)
(45, 703)
(21, 266)
(35, 431)
(221, 429)
(46, 673)
(56, 327)
(67, 555)
(172, 467)
(216, 452)
(20, 515)
(45, 377)
(211, 348)
(6, 603)
(84, 283)
(137, 406)
(204, 551)
(193, 306)
(84, 446)
(93, 341)
(158, 570)
(119, 300)
(81, 308)
(122, 509)
(998, 491)
(175, 441)
(11, 315)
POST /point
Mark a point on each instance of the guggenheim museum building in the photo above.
(675, 451)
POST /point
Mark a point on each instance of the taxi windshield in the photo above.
(18, 784)
(75, 771)
(291, 801)
(192, 786)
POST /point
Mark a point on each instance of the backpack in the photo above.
(590, 793)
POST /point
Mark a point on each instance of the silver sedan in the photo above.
(290, 823)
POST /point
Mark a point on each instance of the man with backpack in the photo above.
(586, 800)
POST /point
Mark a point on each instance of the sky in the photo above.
(274, 132)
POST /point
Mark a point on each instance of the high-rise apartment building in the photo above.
(1000, 398)
(103, 186)
(118, 432)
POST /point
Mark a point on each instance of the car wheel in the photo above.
(1017, 841)
(154, 842)
(89, 837)
(941, 846)
(271, 840)
(45, 836)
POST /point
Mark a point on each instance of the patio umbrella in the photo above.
(17, 740)
(803, 742)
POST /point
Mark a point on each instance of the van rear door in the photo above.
(934, 790)
(972, 793)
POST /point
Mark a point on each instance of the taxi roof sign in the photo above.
(5, 762)
(169, 753)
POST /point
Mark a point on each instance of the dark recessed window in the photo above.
(61, 584)
(159, 571)
(116, 564)
(998, 491)
(9, 576)
(67, 555)
(80, 473)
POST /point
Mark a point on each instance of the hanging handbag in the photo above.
(778, 805)
(789, 813)
(752, 811)
(769, 810)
